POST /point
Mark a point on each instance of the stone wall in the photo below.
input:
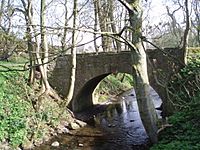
(91, 69)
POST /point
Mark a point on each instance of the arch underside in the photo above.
(84, 98)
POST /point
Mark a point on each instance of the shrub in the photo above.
(185, 85)
(185, 132)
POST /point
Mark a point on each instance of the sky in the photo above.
(157, 8)
(156, 11)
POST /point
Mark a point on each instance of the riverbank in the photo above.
(113, 125)
(25, 123)
(28, 120)
(184, 132)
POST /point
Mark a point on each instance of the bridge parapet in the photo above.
(92, 68)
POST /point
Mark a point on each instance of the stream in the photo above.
(114, 125)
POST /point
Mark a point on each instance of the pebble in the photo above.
(81, 145)
(80, 123)
(38, 142)
(111, 125)
(65, 130)
(73, 126)
(55, 144)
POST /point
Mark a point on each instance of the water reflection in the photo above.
(123, 117)
(122, 124)
(116, 126)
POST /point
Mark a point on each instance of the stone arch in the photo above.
(84, 98)
(91, 68)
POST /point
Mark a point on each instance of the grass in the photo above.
(11, 66)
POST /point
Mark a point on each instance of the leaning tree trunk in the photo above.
(145, 103)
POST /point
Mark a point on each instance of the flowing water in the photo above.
(116, 125)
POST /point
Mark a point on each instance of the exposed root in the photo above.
(52, 93)
(70, 112)
(49, 92)
(164, 126)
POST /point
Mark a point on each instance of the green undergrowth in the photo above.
(185, 132)
(21, 122)
(113, 85)
(185, 85)
(185, 94)
(194, 50)
(14, 110)
(11, 66)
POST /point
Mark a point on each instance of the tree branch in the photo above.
(126, 5)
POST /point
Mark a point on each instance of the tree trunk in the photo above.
(196, 21)
(95, 24)
(104, 25)
(28, 14)
(127, 34)
(1, 10)
(31, 58)
(186, 33)
(63, 41)
(145, 103)
(116, 43)
(73, 55)
(44, 46)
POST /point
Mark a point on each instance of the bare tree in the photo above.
(44, 46)
(73, 55)
(37, 58)
(28, 14)
(145, 104)
(116, 43)
(104, 24)
(186, 32)
(95, 3)
(2, 10)
(63, 40)
(196, 20)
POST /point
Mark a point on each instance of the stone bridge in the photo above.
(91, 69)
